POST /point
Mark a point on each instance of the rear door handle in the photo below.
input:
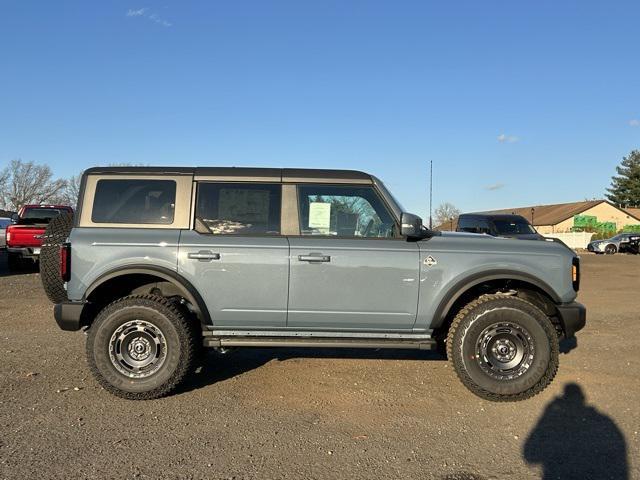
(314, 258)
(204, 256)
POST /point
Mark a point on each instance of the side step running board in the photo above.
(317, 342)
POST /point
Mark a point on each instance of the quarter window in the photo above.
(134, 202)
(343, 211)
(238, 208)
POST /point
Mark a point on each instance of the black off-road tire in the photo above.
(181, 337)
(464, 343)
(55, 235)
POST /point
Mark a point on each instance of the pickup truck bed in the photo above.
(24, 239)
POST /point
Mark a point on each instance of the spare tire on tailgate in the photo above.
(55, 235)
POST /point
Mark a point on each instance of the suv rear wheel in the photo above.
(141, 347)
(503, 348)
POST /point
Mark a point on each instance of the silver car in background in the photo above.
(4, 223)
(617, 244)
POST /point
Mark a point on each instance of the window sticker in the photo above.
(320, 216)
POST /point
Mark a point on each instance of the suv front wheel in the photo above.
(141, 347)
(503, 348)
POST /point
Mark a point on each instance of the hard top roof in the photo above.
(275, 174)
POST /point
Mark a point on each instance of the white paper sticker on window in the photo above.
(320, 216)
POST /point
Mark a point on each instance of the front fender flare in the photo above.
(456, 291)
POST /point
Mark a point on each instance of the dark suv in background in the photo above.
(498, 225)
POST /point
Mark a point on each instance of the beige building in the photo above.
(561, 217)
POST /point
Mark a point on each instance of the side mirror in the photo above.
(15, 218)
(411, 225)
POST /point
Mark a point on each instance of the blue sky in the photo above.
(516, 103)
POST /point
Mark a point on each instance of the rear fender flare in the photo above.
(186, 289)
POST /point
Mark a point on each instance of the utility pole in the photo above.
(430, 195)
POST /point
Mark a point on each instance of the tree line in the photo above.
(23, 183)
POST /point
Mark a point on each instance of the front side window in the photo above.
(238, 208)
(344, 211)
(134, 201)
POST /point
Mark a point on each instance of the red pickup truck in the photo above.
(24, 238)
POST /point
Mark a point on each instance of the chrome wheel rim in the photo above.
(505, 351)
(137, 349)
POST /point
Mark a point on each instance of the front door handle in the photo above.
(314, 258)
(204, 256)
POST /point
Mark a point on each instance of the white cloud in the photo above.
(495, 186)
(634, 122)
(153, 17)
(136, 13)
(503, 138)
(160, 21)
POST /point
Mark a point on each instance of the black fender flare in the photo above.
(183, 285)
(456, 291)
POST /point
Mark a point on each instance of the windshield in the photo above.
(39, 215)
(513, 227)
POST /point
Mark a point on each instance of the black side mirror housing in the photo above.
(15, 218)
(411, 225)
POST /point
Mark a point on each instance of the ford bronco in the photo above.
(158, 262)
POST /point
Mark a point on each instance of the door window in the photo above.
(238, 209)
(344, 211)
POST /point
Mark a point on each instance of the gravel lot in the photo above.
(270, 413)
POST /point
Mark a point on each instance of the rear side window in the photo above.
(134, 201)
(238, 208)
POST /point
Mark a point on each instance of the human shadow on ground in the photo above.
(573, 440)
(215, 367)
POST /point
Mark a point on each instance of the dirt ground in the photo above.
(270, 413)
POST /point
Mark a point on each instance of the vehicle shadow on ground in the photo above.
(574, 440)
(215, 367)
(4, 268)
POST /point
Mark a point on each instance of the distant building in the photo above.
(569, 217)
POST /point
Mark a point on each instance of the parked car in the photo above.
(160, 261)
(498, 225)
(4, 223)
(24, 237)
(621, 243)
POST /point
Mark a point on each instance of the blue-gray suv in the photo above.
(158, 262)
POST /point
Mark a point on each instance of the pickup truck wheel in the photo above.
(14, 262)
(503, 348)
(55, 235)
(141, 347)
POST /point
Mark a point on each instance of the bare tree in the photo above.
(72, 191)
(445, 214)
(25, 182)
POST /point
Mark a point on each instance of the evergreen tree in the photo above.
(625, 187)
